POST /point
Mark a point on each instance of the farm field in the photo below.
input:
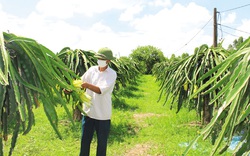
(140, 126)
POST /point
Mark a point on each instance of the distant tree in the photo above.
(236, 43)
(147, 56)
(184, 55)
(125, 58)
(174, 58)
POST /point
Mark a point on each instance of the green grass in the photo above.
(140, 126)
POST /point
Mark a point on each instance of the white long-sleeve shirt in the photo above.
(101, 108)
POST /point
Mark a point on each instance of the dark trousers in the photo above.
(102, 128)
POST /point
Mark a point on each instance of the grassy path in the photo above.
(140, 126)
(157, 130)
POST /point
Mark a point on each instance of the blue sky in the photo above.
(173, 26)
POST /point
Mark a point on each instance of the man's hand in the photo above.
(91, 87)
(85, 85)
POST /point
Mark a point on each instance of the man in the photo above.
(99, 82)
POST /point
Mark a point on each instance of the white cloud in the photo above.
(65, 9)
(174, 20)
(129, 13)
(99, 27)
(92, 7)
(58, 35)
(161, 3)
(61, 9)
(229, 18)
(170, 29)
(244, 29)
(7, 21)
(53, 34)
(231, 32)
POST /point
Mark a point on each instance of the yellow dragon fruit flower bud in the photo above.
(185, 86)
(85, 97)
(77, 83)
(195, 90)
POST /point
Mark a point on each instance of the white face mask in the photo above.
(101, 63)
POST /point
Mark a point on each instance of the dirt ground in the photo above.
(141, 149)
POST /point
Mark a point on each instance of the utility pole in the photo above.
(208, 109)
(215, 28)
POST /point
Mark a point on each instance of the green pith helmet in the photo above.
(105, 54)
